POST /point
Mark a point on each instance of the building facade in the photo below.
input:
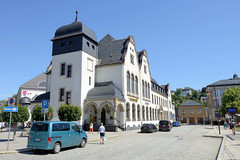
(191, 112)
(215, 92)
(108, 79)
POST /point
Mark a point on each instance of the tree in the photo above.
(69, 113)
(21, 116)
(231, 98)
(39, 116)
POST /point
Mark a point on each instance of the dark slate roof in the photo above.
(44, 96)
(73, 29)
(111, 51)
(35, 81)
(24, 101)
(190, 103)
(154, 81)
(226, 82)
(104, 90)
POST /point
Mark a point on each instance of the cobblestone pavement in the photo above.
(185, 142)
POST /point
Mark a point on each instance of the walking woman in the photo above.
(102, 133)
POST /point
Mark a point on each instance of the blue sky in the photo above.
(189, 43)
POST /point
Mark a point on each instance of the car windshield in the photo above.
(39, 127)
(163, 122)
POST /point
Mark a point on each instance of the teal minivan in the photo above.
(55, 135)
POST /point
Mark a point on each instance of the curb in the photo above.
(220, 150)
(212, 136)
(28, 150)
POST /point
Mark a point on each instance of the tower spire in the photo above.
(76, 19)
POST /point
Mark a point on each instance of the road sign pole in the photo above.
(9, 130)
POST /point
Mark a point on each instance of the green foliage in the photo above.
(21, 116)
(69, 113)
(231, 98)
(39, 116)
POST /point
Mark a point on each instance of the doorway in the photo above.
(103, 116)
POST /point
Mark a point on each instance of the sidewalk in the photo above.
(20, 143)
(230, 146)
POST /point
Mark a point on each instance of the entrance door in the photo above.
(103, 116)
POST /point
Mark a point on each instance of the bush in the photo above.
(39, 116)
(21, 116)
(69, 113)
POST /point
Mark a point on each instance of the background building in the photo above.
(215, 92)
(191, 112)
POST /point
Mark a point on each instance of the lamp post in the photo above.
(217, 110)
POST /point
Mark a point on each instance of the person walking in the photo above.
(91, 128)
(225, 124)
(102, 133)
(233, 127)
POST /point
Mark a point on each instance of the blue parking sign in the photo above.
(44, 103)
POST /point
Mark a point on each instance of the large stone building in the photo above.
(110, 80)
(215, 92)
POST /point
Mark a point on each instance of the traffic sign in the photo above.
(45, 110)
(44, 103)
(10, 109)
(11, 102)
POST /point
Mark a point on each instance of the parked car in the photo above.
(148, 127)
(176, 124)
(165, 125)
(55, 136)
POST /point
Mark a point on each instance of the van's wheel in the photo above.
(83, 143)
(56, 148)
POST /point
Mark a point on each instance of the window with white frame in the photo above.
(90, 64)
(191, 111)
(183, 112)
(128, 81)
(131, 58)
(199, 111)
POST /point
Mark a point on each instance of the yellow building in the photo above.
(191, 112)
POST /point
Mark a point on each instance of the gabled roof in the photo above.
(190, 103)
(111, 51)
(104, 90)
(35, 81)
(226, 82)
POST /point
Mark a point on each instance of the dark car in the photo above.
(149, 128)
(176, 124)
(165, 125)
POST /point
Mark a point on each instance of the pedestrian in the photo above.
(225, 124)
(91, 128)
(233, 128)
(102, 133)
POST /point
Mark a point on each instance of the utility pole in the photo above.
(217, 110)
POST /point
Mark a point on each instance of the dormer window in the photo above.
(70, 43)
(131, 58)
(93, 47)
(88, 44)
(62, 45)
(42, 84)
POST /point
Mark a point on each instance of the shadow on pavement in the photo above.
(5, 140)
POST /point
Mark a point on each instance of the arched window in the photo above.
(128, 81)
(136, 85)
(147, 113)
(150, 110)
(133, 112)
(143, 89)
(143, 113)
(148, 91)
(138, 113)
(127, 112)
(132, 83)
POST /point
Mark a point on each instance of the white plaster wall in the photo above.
(110, 73)
(31, 93)
(48, 83)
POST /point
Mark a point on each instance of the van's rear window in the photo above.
(39, 127)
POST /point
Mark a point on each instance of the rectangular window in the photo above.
(61, 94)
(68, 98)
(145, 69)
(63, 69)
(69, 71)
(183, 111)
(191, 111)
(70, 43)
(199, 111)
(62, 45)
(132, 58)
(90, 65)
(90, 81)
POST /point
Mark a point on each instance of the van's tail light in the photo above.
(28, 138)
(49, 140)
(149, 127)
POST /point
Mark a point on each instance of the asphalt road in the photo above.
(185, 142)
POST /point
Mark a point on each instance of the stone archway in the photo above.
(90, 113)
(105, 111)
